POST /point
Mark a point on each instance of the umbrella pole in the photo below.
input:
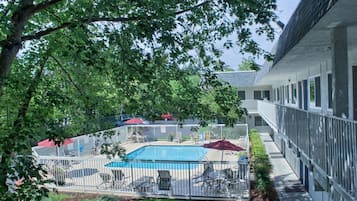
(222, 160)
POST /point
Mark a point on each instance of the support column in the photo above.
(339, 58)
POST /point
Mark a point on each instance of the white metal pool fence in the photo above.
(80, 166)
(176, 179)
(90, 144)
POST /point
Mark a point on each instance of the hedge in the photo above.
(261, 165)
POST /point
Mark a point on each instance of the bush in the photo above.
(56, 197)
(261, 164)
(109, 198)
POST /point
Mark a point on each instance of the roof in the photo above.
(238, 78)
(306, 15)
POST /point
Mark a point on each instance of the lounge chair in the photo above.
(119, 178)
(164, 180)
(106, 180)
(208, 168)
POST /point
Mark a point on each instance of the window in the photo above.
(329, 88)
(282, 95)
(318, 91)
(266, 94)
(259, 121)
(312, 91)
(257, 95)
(277, 94)
(293, 93)
(315, 91)
(287, 94)
(300, 95)
(241, 95)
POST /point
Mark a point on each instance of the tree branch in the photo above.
(29, 94)
(89, 20)
(68, 75)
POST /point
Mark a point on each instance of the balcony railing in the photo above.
(329, 142)
(250, 105)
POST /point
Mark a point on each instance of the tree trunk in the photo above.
(12, 44)
(17, 126)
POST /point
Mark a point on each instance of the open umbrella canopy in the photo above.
(223, 145)
(134, 121)
(51, 143)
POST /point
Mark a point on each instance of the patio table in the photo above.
(144, 184)
(220, 180)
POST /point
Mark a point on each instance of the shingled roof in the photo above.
(238, 78)
(306, 15)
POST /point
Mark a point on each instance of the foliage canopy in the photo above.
(66, 64)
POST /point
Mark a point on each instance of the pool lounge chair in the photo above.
(164, 180)
(208, 168)
(106, 180)
(119, 179)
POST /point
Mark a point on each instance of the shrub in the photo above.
(109, 198)
(261, 164)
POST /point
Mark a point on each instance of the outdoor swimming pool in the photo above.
(162, 157)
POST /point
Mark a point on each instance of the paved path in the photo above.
(286, 182)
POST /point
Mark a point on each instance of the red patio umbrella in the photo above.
(51, 143)
(223, 145)
(134, 121)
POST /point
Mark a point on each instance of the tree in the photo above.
(248, 64)
(64, 64)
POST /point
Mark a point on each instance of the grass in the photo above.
(261, 165)
(56, 197)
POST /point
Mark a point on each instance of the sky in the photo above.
(285, 9)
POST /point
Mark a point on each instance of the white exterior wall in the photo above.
(320, 70)
(249, 91)
(249, 98)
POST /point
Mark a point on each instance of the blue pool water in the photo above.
(163, 157)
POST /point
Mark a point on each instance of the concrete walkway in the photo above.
(286, 182)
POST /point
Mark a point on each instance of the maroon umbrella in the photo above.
(223, 145)
(134, 121)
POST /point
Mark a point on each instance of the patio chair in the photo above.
(208, 168)
(164, 180)
(106, 180)
(119, 178)
(66, 164)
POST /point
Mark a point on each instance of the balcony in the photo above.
(329, 144)
(250, 105)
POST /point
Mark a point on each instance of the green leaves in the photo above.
(248, 64)
(81, 61)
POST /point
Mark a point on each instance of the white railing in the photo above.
(89, 144)
(250, 105)
(329, 142)
(184, 179)
(88, 171)
(268, 112)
